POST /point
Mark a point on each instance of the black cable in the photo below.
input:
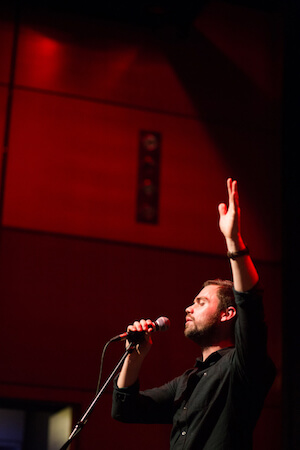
(101, 365)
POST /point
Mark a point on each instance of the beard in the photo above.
(206, 335)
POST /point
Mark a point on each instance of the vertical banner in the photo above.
(148, 177)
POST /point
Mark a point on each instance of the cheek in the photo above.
(199, 317)
(206, 316)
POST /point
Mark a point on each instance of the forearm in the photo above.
(244, 273)
(133, 362)
(130, 371)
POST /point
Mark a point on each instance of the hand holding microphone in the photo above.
(139, 334)
(137, 331)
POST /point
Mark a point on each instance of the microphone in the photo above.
(161, 324)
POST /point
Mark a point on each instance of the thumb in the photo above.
(222, 209)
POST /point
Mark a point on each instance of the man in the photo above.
(216, 404)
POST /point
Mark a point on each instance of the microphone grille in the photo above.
(162, 323)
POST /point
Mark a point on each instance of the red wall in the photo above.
(75, 265)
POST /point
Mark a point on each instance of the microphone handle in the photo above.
(132, 336)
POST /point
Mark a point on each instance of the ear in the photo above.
(228, 313)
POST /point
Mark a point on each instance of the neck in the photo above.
(207, 351)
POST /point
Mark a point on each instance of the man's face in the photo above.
(203, 317)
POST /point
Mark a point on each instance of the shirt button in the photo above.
(183, 433)
(184, 407)
(205, 373)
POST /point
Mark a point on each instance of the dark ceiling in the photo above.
(146, 10)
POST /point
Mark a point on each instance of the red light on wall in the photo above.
(148, 177)
(48, 46)
(46, 59)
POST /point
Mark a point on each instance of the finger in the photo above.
(146, 324)
(222, 209)
(233, 200)
(235, 192)
(230, 194)
(131, 328)
(138, 325)
(150, 324)
(229, 186)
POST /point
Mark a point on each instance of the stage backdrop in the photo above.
(76, 266)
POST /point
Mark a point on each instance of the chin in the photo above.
(202, 337)
(189, 329)
(192, 334)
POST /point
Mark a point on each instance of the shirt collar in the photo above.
(212, 359)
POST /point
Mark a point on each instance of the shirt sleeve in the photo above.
(251, 357)
(150, 406)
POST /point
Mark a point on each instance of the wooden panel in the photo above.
(106, 61)
(6, 39)
(210, 73)
(73, 169)
(63, 298)
(3, 102)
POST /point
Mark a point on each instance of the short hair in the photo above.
(225, 292)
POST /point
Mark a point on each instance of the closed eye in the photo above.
(200, 300)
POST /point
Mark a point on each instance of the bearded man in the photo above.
(216, 404)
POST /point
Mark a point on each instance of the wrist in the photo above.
(235, 244)
(137, 356)
(238, 254)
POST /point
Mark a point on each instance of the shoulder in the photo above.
(250, 301)
(256, 293)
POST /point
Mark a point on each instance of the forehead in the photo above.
(210, 292)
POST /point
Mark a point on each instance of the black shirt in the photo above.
(216, 404)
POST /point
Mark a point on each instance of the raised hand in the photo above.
(243, 271)
(230, 217)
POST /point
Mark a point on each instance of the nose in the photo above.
(189, 309)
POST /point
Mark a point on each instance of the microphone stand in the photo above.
(80, 424)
